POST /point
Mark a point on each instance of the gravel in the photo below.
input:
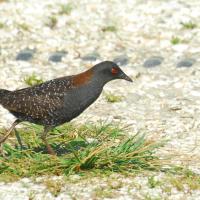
(91, 57)
(25, 55)
(163, 101)
(187, 62)
(153, 62)
(121, 60)
(57, 56)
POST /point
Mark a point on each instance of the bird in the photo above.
(57, 101)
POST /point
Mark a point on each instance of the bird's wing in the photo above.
(35, 106)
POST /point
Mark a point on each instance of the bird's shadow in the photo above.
(60, 149)
(63, 148)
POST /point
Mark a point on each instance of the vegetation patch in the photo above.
(2, 25)
(175, 40)
(187, 180)
(189, 25)
(52, 21)
(33, 80)
(104, 148)
(24, 26)
(112, 98)
(110, 28)
(66, 9)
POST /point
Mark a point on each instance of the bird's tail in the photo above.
(3, 93)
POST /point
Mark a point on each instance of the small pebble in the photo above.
(187, 62)
(57, 56)
(153, 61)
(121, 60)
(25, 55)
(91, 57)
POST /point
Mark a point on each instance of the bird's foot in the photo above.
(50, 149)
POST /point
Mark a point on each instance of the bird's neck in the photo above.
(82, 79)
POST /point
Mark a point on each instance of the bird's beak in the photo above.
(125, 77)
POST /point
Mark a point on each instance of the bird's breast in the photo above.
(77, 100)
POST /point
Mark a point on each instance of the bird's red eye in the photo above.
(114, 70)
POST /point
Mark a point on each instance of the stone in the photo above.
(91, 57)
(153, 61)
(57, 56)
(187, 62)
(25, 55)
(121, 60)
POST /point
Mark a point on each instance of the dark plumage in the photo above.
(59, 100)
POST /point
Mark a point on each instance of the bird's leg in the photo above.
(3, 139)
(19, 139)
(44, 139)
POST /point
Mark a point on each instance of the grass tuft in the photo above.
(66, 9)
(186, 178)
(189, 25)
(2, 25)
(103, 148)
(33, 80)
(153, 182)
(112, 98)
(24, 26)
(54, 186)
(175, 40)
(52, 22)
(110, 28)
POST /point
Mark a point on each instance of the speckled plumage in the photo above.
(60, 100)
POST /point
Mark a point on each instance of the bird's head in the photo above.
(107, 71)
